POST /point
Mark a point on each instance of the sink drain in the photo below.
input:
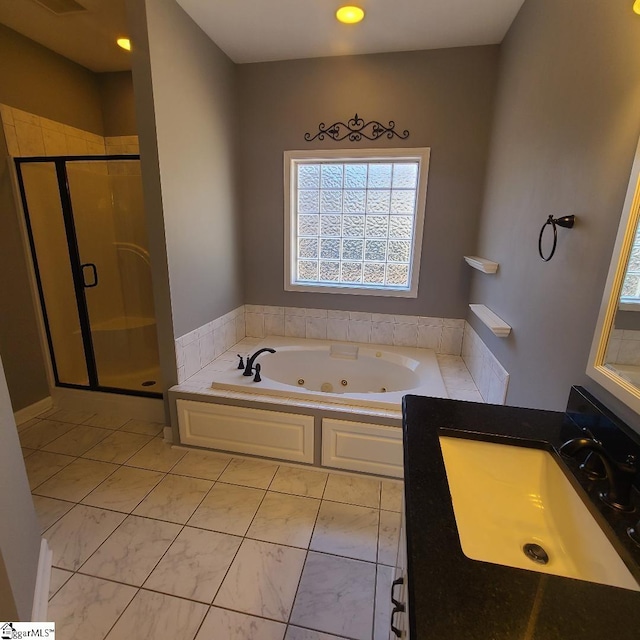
(536, 553)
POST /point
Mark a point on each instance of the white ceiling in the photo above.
(88, 37)
(264, 30)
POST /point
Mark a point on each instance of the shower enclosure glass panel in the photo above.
(53, 269)
(86, 222)
(110, 227)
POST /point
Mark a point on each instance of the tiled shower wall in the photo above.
(30, 135)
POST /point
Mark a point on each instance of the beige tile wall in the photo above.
(198, 348)
(624, 347)
(443, 335)
(490, 377)
(28, 134)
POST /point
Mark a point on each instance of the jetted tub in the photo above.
(339, 372)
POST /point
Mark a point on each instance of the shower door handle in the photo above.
(91, 266)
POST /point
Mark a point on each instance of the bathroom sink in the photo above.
(514, 506)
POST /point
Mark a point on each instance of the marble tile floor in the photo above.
(165, 542)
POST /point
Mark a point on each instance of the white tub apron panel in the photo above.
(358, 446)
(272, 434)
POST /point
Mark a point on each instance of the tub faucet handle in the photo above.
(248, 369)
(257, 377)
(241, 363)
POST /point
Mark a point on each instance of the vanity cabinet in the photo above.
(399, 624)
(453, 596)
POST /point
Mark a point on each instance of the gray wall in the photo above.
(37, 80)
(19, 337)
(192, 96)
(152, 191)
(20, 531)
(566, 126)
(118, 103)
(443, 97)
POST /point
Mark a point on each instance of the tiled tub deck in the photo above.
(323, 431)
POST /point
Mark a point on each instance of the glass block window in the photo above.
(354, 220)
(631, 284)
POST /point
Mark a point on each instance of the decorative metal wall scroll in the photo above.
(356, 129)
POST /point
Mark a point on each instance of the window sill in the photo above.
(356, 291)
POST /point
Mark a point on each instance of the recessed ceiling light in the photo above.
(125, 43)
(350, 14)
(636, 6)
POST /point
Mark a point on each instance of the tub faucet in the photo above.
(620, 474)
(248, 370)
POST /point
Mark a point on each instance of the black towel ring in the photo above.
(567, 222)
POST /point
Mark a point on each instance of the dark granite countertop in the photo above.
(452, 597)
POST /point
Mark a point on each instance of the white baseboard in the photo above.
(43, 578)
(24, 415)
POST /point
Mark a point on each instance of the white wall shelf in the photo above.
(481, 264)
(497, 325)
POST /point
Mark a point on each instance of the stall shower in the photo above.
(86, 227)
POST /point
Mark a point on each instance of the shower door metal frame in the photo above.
(60, 164)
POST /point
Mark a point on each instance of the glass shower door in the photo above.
(54, 268)
(106, 199)
(86, 226)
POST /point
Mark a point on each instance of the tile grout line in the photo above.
(52, 475)
(140, 588)
(375, 581)
(182, 529)
(235, 555)
(202, 528)
(306, 557)
(84, 455)
(115, 622)
(138, 504)
(86, 494)
(77, 572)
(210, 604)
(127, 514)
(184, 525)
